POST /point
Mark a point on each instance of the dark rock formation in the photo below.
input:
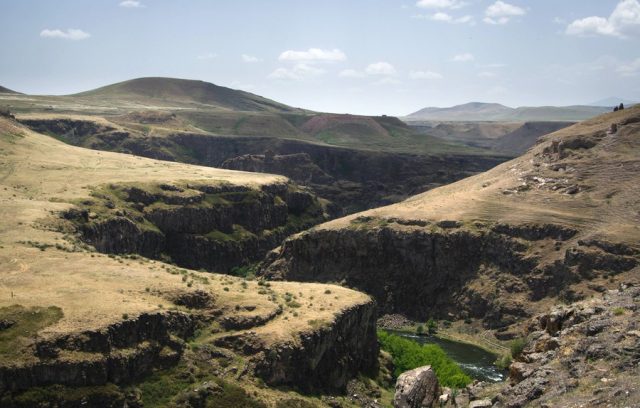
(583, 354)
(328, 357)
(120, 353)
(424, 272)
(417, 388)
(212, 227)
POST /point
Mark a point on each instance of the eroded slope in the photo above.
(74, 317)
(557, 223)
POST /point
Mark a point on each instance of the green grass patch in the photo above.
(408, 355)
(108, 395)
(21, 324)
(517, 346)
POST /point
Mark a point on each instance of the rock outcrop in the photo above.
(327, 358)
(586, 354)
(417, 388)
(120, 353)
(446, 271)
(208, 227)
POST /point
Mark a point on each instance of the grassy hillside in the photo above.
(160, 106)
(183, 91)
(488, 112)
(606, 193)
(7, 90)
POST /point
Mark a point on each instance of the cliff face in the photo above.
(583, 354)
(327, 358)
(448, 270)
(321, 359)
(197, 226)
(353, 179)
(120, 353)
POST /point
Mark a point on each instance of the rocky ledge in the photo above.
(120, 353)
(586, 354)
(450, 270)
(198, 226)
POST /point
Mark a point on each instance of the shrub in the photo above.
(420, 329)
(408, 355)
(503, 362)
(517, 346)
(432, 326)
(618, 311)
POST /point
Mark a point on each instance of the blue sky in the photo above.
(357, 56)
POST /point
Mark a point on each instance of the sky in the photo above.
(348, 56)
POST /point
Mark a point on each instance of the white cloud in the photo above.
(630, 69)
(70, 34)
(250, 58)
(623, 21)
(501, 12)
(351, 73)
(297, 73)
(466, 57)
(440, 16)
(313, 55)
(424, 75)
(486, 74)
(380, 68)
(131, 4)
(445, 18)
(440, 4)
(207, 56)
(387, 81)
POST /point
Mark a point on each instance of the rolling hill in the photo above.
(8, 91)
(488, 112)
(191, 92)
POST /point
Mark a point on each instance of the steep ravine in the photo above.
(449, 270)
(198, 226)
(110, 366)
(353, 179)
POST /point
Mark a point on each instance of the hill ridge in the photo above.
(487, 112)
(8, 91)
(187, 90)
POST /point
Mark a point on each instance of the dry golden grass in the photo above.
(40, 176)
(608, 175)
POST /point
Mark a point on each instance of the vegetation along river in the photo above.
(475, 361)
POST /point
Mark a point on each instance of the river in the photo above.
(475, 361)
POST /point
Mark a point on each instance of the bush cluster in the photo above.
(408, 354)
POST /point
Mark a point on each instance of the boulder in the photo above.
(417, 388)
(480, 404)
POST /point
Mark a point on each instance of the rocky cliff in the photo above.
(197, 226)
(585, 354)
(449, 270)
(120, 353)
(327, 358)
(319, 359)
(353, 179)
(557, 224)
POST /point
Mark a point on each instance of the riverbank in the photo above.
(468, 333)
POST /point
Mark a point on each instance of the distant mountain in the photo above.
(612, 101)
(171, 91)
(473, 111)
(7, 90)
(483, 112)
